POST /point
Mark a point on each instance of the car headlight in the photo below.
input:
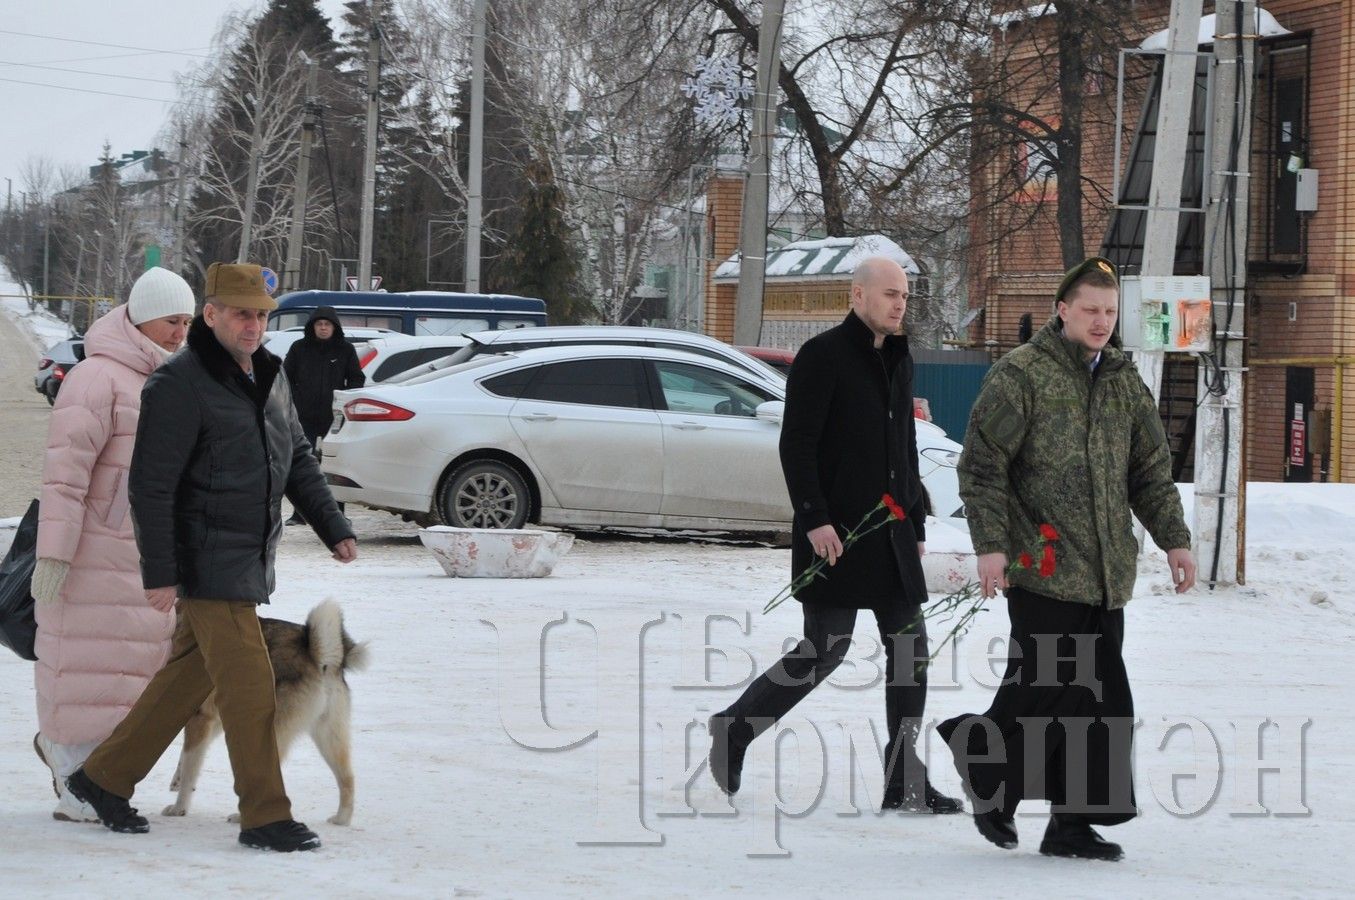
(948, 458)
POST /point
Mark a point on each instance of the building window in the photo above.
(1280, 147)
(1037, 165)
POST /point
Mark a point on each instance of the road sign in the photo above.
(270, 280)
(353, 282)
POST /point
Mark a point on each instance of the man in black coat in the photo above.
(218, 445)
(847, 438)
(319, 364)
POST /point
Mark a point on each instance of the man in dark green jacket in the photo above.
(1064, 445)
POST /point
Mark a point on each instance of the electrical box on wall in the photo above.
(1305, 199)
(1166, 313)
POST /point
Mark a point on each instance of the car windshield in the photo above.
(420, 374)
(438, 366)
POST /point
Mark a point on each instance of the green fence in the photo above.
(950, 381)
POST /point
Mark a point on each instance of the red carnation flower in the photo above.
(894, 509)
(1047, 562)
(1048, 533)
(1026, 561)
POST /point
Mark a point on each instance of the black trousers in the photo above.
(828, 636)
(1061, 724)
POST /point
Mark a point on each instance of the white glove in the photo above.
(48, 577)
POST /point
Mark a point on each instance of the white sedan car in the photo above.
(581, 435)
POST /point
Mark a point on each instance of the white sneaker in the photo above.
(69, 809)
(41, 747)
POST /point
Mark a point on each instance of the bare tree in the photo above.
(1014, 86)
(257, 119)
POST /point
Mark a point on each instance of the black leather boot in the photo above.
(727, 752)
(1076, 839)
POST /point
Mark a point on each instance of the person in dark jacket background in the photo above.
(217, 446)
(319, 364)
(847, 438)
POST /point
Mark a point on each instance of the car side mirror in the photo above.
(772, 411)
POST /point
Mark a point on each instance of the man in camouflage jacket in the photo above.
(1064, 440)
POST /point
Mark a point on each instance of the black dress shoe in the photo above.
(113, 811)
(726, 754)
(920, 799)
(285, 837)
(1077, 840)
(996, 827)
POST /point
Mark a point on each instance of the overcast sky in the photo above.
(70, 126)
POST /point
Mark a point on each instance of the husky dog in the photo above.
(309, 662)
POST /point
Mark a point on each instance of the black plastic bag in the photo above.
(18, 629)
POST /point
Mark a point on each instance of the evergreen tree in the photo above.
(542, 260)
(407, 196)
(282, 29)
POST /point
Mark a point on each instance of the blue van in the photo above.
(412, 312)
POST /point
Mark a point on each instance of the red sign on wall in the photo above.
(1298, 443)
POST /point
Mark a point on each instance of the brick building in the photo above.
(1300, 303)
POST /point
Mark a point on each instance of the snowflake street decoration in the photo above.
(717, 88)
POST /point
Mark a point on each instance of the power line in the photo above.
(86, 72)
(91, 91)
(50, 37)
(104, 56)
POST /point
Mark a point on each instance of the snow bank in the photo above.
(42, 328)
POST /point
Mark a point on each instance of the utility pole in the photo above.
(46, 252)
(1220, 489)
(251, 184)
(179, 198)
(369, 160)
(291, 275)
(475, 175)
(99, 265)
(753, 227)
(1169, 154)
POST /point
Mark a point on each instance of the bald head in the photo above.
(873, 268)
(880, 295)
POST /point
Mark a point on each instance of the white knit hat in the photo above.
(159, 293)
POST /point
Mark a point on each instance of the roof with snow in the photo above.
(1266, 26)
(823, 259)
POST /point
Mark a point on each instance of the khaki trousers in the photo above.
(218, 645)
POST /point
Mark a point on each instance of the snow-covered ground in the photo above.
(523, 738)
(504, 747)
(44, 328)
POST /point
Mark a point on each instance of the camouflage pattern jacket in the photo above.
(1051, 441)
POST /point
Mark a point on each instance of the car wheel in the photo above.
(485, 494)
(49, 390)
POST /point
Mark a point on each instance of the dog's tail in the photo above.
(330, 645)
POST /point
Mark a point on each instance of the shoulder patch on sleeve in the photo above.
(1004, 425)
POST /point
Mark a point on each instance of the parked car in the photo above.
(775, 357)
(581, 435)
(413, 312)
(601, 335)
(386, 357)
(56, 364)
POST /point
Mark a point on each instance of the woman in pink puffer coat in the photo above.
(99, 641)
